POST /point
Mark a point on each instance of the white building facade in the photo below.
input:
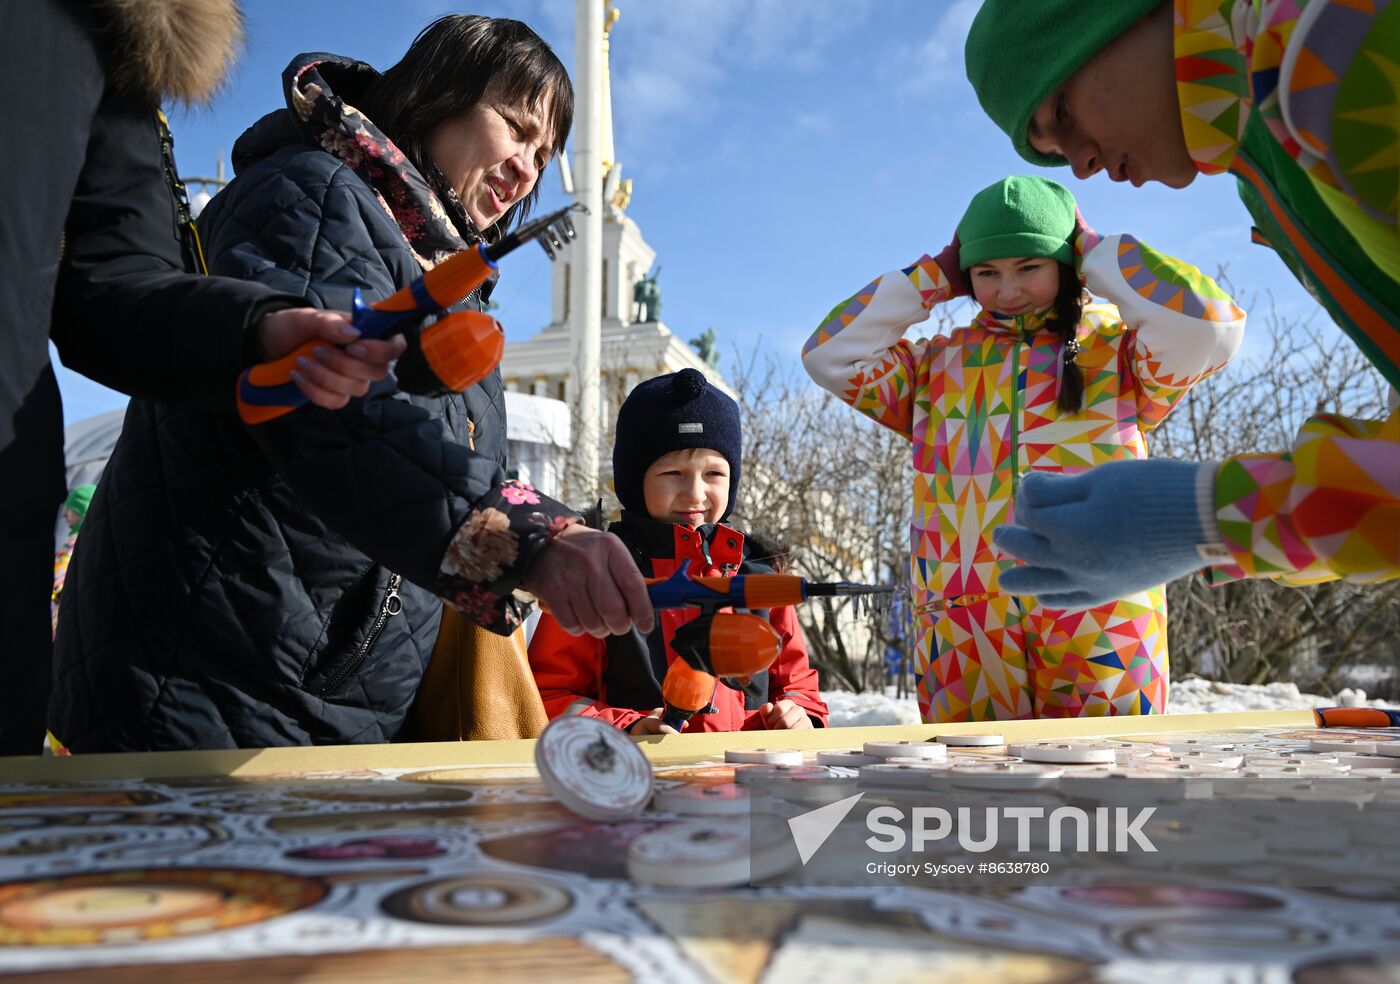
(631, 351)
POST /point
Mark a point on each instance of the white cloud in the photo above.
(812, 122)
(937, 61)
(668, 61)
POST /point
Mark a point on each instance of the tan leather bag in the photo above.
(478, 687)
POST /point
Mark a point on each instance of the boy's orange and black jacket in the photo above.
(609, 678)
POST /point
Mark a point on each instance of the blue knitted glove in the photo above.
(1122, 527)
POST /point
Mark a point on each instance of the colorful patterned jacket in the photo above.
(1298, 99)
(60, 574)
(979, 404)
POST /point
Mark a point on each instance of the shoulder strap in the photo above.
(184, 217)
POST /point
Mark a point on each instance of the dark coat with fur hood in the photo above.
(280, 584)
(91, 254)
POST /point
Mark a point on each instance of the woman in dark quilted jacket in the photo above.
(282, 584)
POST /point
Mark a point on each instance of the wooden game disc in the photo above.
(848, 758)
(914, 772)
(1335, 770)
(971, 741)
(1139, 786)
(1205, 759)
(1277, 759)
(1065, 752)
(1342, 743)
(1180, 745)
(764, 756)
(907, 749)
(717, 799)
(1184, 769)
(910, 760)
(750, 774)
(1003, 775)
(697, 854)
(1364, 762)
(594, 769)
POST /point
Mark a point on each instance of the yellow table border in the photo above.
(669, 750)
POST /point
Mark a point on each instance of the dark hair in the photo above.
(1064, 322)
(452, 64)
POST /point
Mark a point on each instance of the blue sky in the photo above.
(783, 153)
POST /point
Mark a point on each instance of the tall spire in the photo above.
(616, 192)
(586, 259)
(609, 149)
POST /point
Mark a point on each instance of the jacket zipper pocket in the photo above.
(388, 608)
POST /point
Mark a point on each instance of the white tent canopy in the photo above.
(537, 435)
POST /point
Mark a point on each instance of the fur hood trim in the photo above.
(168, 49)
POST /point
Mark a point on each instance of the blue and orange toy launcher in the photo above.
(1356, 717)
(449, 355)
(728, 647)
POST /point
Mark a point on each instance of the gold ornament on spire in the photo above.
(617, 191)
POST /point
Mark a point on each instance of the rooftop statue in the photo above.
(646, 295)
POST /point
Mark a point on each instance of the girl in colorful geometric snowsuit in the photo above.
(1043, 380)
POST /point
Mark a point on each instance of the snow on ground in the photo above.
(1196, 696)
(850, 710)
(1191, 696)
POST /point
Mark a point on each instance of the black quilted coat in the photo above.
(91, 254)
(240, 587)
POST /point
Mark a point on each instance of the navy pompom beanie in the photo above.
(669, 413)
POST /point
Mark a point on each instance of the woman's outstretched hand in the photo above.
(334, 374)
(591, 584)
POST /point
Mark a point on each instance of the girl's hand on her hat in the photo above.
(949, 261)
(1085, 238)
(591, 584)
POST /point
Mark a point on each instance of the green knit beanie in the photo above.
(1018, 216)
(1020, 51)
(79, 499)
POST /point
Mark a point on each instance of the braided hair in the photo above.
(1064, 322)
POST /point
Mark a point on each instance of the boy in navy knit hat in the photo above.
(676, 472)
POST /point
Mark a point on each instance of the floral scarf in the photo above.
(426, 209)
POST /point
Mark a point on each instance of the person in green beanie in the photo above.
(1298, 100)
(75, 509)
(1042, 380)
